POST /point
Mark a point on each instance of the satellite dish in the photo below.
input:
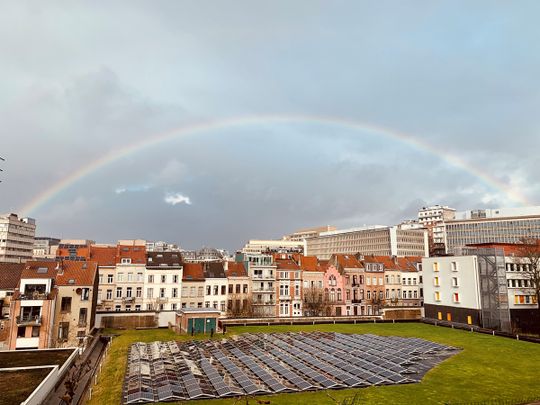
(78, 291)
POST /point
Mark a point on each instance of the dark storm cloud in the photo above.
(82, 81)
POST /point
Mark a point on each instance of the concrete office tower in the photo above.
(501, 225)
(16, 238)
(400, 240)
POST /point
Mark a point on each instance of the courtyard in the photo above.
(485, 368)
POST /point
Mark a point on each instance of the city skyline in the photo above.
(216, 124)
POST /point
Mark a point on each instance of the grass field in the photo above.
(488, 368)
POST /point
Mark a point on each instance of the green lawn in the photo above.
(487, 368)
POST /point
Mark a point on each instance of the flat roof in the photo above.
(39, 357)
(17, 385)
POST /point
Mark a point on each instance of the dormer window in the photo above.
(125, 260)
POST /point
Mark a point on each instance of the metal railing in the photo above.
(28, 320)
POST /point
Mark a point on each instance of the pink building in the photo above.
(334, 290)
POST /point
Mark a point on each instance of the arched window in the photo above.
(339, 297)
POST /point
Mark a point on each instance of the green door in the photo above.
(189, 326)
(199, 325)
(210, 324)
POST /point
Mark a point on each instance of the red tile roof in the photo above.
(10, 274)
(309, 263)
(193, 272)
(77, 273)
(103, 255)
(236, 270)
(287, 264)
(74, 273)
(348, 261)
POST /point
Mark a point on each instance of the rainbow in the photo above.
(41, 199)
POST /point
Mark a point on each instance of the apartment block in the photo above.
(165, 271)
(54, 305)
(239, 292)
(16, 238)
(289, 287)
(45, 247)
(216, 286)
(193, 286)
(262, 272)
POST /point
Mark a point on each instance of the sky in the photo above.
(426, 84)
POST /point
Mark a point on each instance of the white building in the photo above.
(262, 272)
(216, 286)
(163, 281)
(16, 238)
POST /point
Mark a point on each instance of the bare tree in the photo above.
(316, 302)
(529, 252)
(241, 306)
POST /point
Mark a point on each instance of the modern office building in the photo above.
(433, 219)
(16, 238)
(300, 235)
(271, 246)
(378, 240)
(504, 225)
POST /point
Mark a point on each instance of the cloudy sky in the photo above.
(82, 82)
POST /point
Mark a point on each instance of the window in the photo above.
(454, 266)
(130, 277)
(162, 293)
(436, 281)
(437, 296)
(222, 306)
(118, 292)
(35, 331)
(83, 312)
(245, 288)
(109, 294)
(21, 331)
(435, 266)
(101, 279)
(175, 278)
(174, 307)
(139, 277)
(120, 277)
(151, 278)
(138, 292)
(85, 294)
(129, 292)
(163, 278)
(125, 260)
(223, 290)
(66, 304)
(138, 307)
(109, 278)
(149, 293)
(216, 290)
(455, 282)
(238, 288)
(200, 292)
(208, 290)
(63, 331)
(175, 292)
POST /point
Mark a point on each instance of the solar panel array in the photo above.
(258, 364)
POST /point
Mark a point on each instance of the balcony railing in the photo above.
(264, 302)
(128, 299)
(34, 296)
(162, 300)
(268, 289)
(34, 320)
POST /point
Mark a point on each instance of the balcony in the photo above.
(162, 300)
(81, 324)
(263, 277)
(264, 290)
(28, 320)
(128, 299)
(264, 303)
(33, 296)
(356, 301)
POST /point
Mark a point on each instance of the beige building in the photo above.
(193, 285)
(300, 235)
(16, 238)
(256, 246)
(373, 240)
(239, 291)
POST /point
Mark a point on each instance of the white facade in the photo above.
(262, 246)
(521, 295)
(215, 293)
(163, 289)
(451, 281)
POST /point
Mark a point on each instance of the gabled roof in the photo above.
(64, 272)
(40, 269)
(236, 269)
(193, 272)
(287, 264)
(163, 259)
(389, 262)
(348, 261)
(214, 270)
(77, 273)
(309, 263)
(103, 255)
(10, 274)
